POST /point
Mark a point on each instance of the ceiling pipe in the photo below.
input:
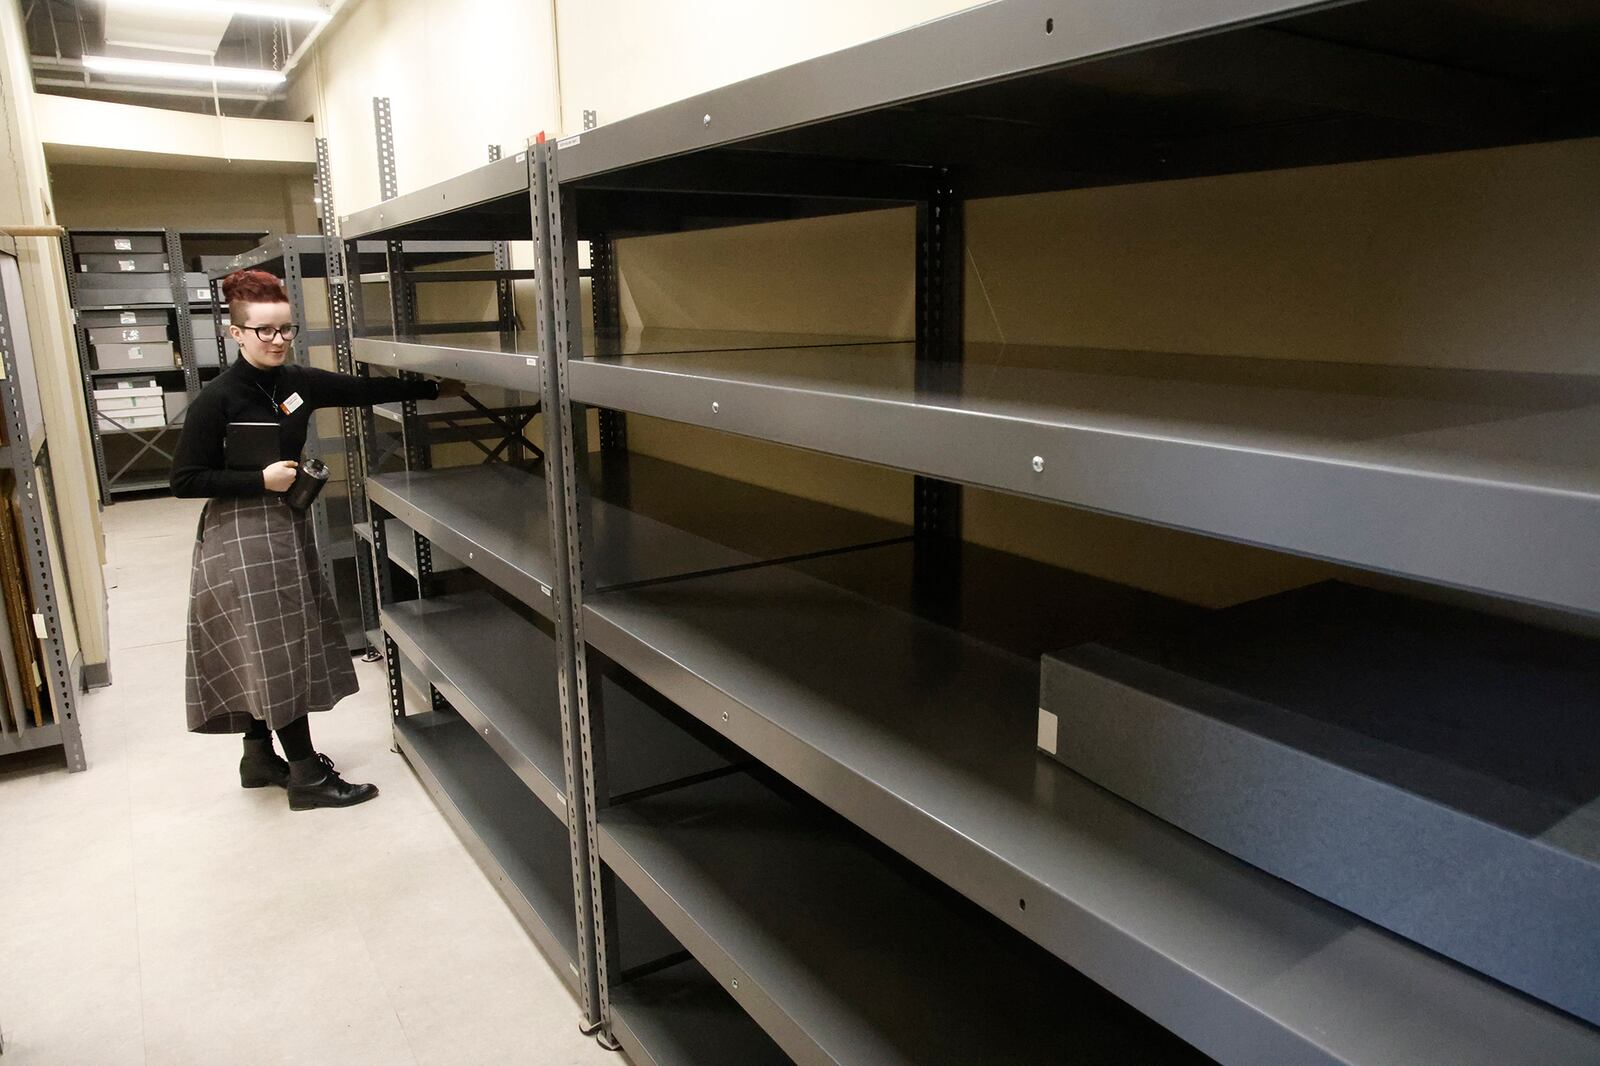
(303, 48)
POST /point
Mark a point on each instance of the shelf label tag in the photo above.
(122, 244)
(569, 142)
(39, 628)
(1048, 725)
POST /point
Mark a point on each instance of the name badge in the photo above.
(292, 404)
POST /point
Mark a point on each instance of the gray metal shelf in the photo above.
(144, 484)
(499, 672)
(923, 734)
(510, 833)
(180, 287)
(513, 361)
(1020, 95)
(45, 668)
(491, 202)
(681, 1016)
(495, 520)
(842, 957)
(490, 358)
(1481, 480)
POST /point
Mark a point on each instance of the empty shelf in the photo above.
(924, 736)
(488, 358)
(499, 672)
(1121, 93)
(522, 849)
(844, 957)
(491, 202)
(680, 1016)
(1481, 480)
(495, 519)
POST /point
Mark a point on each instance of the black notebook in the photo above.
(250, 445)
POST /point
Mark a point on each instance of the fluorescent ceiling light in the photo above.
(249, 8)
(144, 68)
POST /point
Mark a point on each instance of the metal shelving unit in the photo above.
(176, 292)
(877, 689)
(49, 670)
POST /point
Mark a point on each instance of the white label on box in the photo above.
(122, 244)
(126, 265)
(131, 335)
(129, 318)
(1048, 726)
(202, 294)
(135, 353)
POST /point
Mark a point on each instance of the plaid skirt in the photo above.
(265, 640)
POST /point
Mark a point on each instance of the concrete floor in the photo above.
(154, 912)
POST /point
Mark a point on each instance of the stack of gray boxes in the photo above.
(116, 272)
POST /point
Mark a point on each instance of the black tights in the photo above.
(294, 737)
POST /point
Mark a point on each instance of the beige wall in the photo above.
(25, 198)
(91, 196)
(621, 57)
(460, 76)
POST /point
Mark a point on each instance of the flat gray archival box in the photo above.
(1431, 769)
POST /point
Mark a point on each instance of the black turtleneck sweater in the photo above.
(244, 393)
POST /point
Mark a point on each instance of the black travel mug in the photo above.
(308, 481)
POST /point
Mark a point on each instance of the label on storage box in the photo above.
(202, 294)
(129, 318)
(131, 335)
(122, 244)
(127, 265)
(136, 352)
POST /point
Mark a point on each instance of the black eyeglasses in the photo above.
(267, 334)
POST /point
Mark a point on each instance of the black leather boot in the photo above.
(314, 783)
(261, 766)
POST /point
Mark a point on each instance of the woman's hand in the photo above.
(450, 387)
(279, 476)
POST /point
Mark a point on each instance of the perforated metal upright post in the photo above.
(506, 307)
(41, 582)
(219, 309)
(81, 337)
(180, 304)
(561, 340)
(606, 299)
(403, 317)
(941, 246)
(339, 321)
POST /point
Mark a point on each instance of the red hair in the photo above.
(251, 287)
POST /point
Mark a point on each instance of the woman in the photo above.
(266, 646)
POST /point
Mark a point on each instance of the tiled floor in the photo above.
(153, 912)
